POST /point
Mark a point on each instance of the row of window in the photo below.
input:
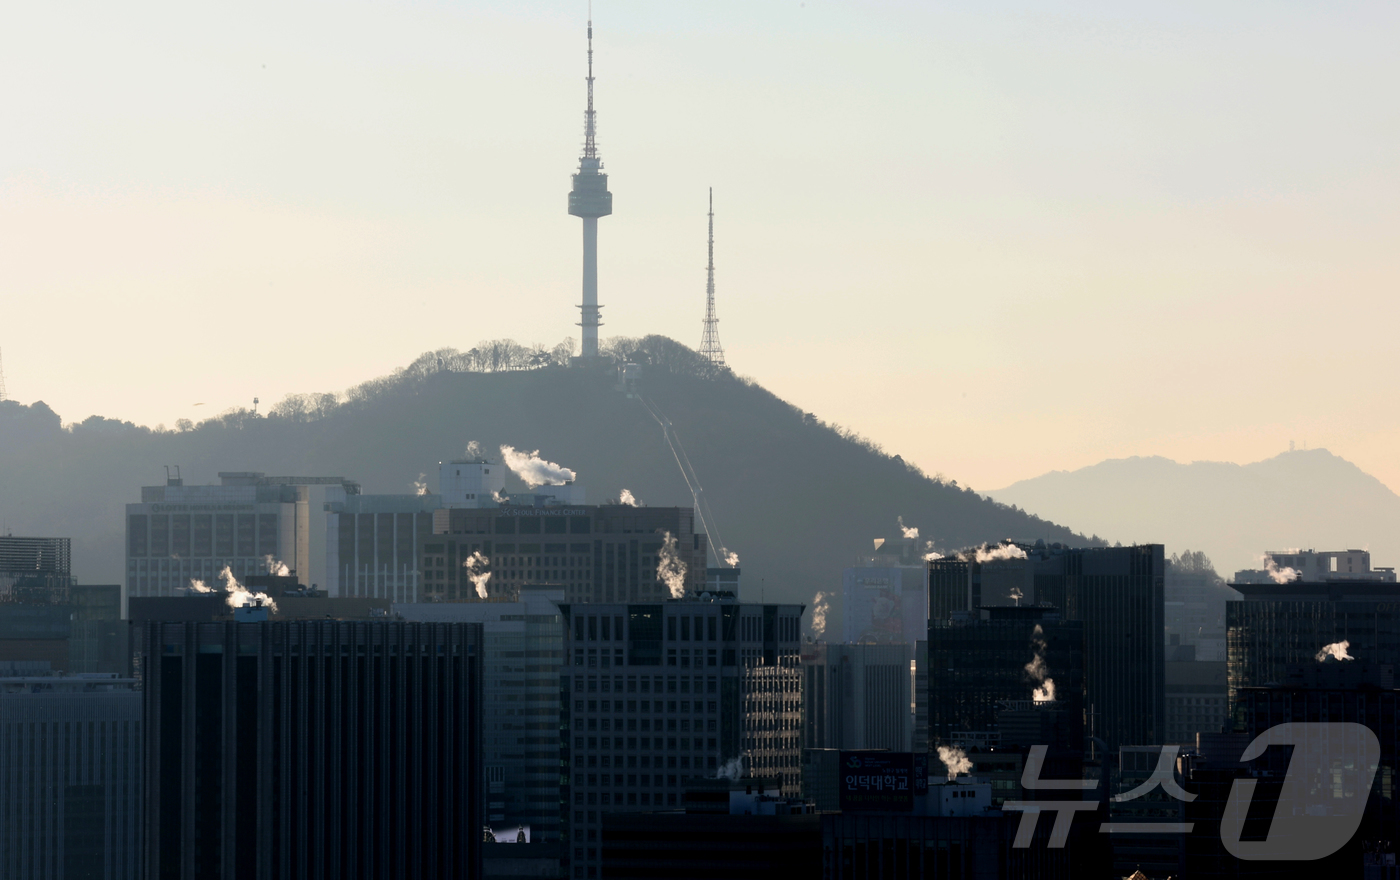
(671, 723)
(613, 684)
(669, 706)
(671, 762)
(679, 657)
(670, 743)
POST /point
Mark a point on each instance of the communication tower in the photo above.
(709, 340)
(590, 200)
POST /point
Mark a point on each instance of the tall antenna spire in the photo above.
(590, 146)
(709, 341)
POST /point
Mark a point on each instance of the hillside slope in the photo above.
(796, 499)
(1309, 498)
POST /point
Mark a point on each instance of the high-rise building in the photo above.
(43, 562)
(524, 650)
(312, 749)
(597, 553)
(1196, 699)
(655, 694)
(70, 777)
(180, 533)
(981, 666)
(856, 697)
(1276, 626)
(1116, 592)
(372, 545)
(590, 200)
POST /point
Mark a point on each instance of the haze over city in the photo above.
(997, 239)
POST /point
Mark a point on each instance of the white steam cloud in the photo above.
(534, 470)
(200, 586)
(276, 567)
(1336, 650)
(420, 485)
(821, 604)
(1004, 551)
(731, 559)
(732, 770)
(476, 566)
(910, 533)
(929, 553)
(473, 451)
(955, 759)
(1280, 575)
(1036, 670)
(628, 498)
(670, 570)
(239, 595)
(1017, 595)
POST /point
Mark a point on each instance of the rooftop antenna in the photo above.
(710, 348)
(590, 200)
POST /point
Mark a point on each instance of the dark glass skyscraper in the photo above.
(329, 749)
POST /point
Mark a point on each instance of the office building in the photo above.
(70, 777)
(42, 562)
(1276, 626)
(372, 545)
(67, 626)
(1194, 612)
(856, 696)
(1115, 592)
(1197, 699)
(978, 665)
(524, 650)
(1156, 854)
(597, 553)
(884, 596)
(657, 694)
(312, 749)
(180, 533)
(1313, 566)
(921, 740)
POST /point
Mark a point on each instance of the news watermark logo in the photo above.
(1319, 808)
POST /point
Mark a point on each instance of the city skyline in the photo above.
(980, 208)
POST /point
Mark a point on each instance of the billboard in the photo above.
(881, 781)
(884, 605)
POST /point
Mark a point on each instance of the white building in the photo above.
(1317, 566)
(179, 533)
(372, 545)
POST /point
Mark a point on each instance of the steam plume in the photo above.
(1017, 595)
(910, 533)
(1004, 551)
(420, 486)
(929, 553)
(199, 586)
(473, 450)
(1280, 575)
(534, 470)
(1336, 650)
(731, 558)
(239, 595)
(732, 770)
(476, 565)
(628, 498)
(821, 604)
(1036, 670)
(276, 567)
(670, 570)
(955, 759)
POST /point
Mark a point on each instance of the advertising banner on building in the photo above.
(883, 781)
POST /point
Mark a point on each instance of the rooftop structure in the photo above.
(1316, 566)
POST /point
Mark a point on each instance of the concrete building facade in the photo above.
(524, 653)
(312, 749)
(70, 778)
(656, 694)
(857, 697)
(372, 544)
(179, 533)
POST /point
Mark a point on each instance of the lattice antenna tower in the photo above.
(710, 347)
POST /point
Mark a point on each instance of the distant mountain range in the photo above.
(796, 498)
(1306, 499)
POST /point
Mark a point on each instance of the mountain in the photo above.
(1307, 499)
(796, 498)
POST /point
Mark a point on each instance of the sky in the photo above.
(996, 238)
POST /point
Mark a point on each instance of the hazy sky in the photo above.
(997, 238)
